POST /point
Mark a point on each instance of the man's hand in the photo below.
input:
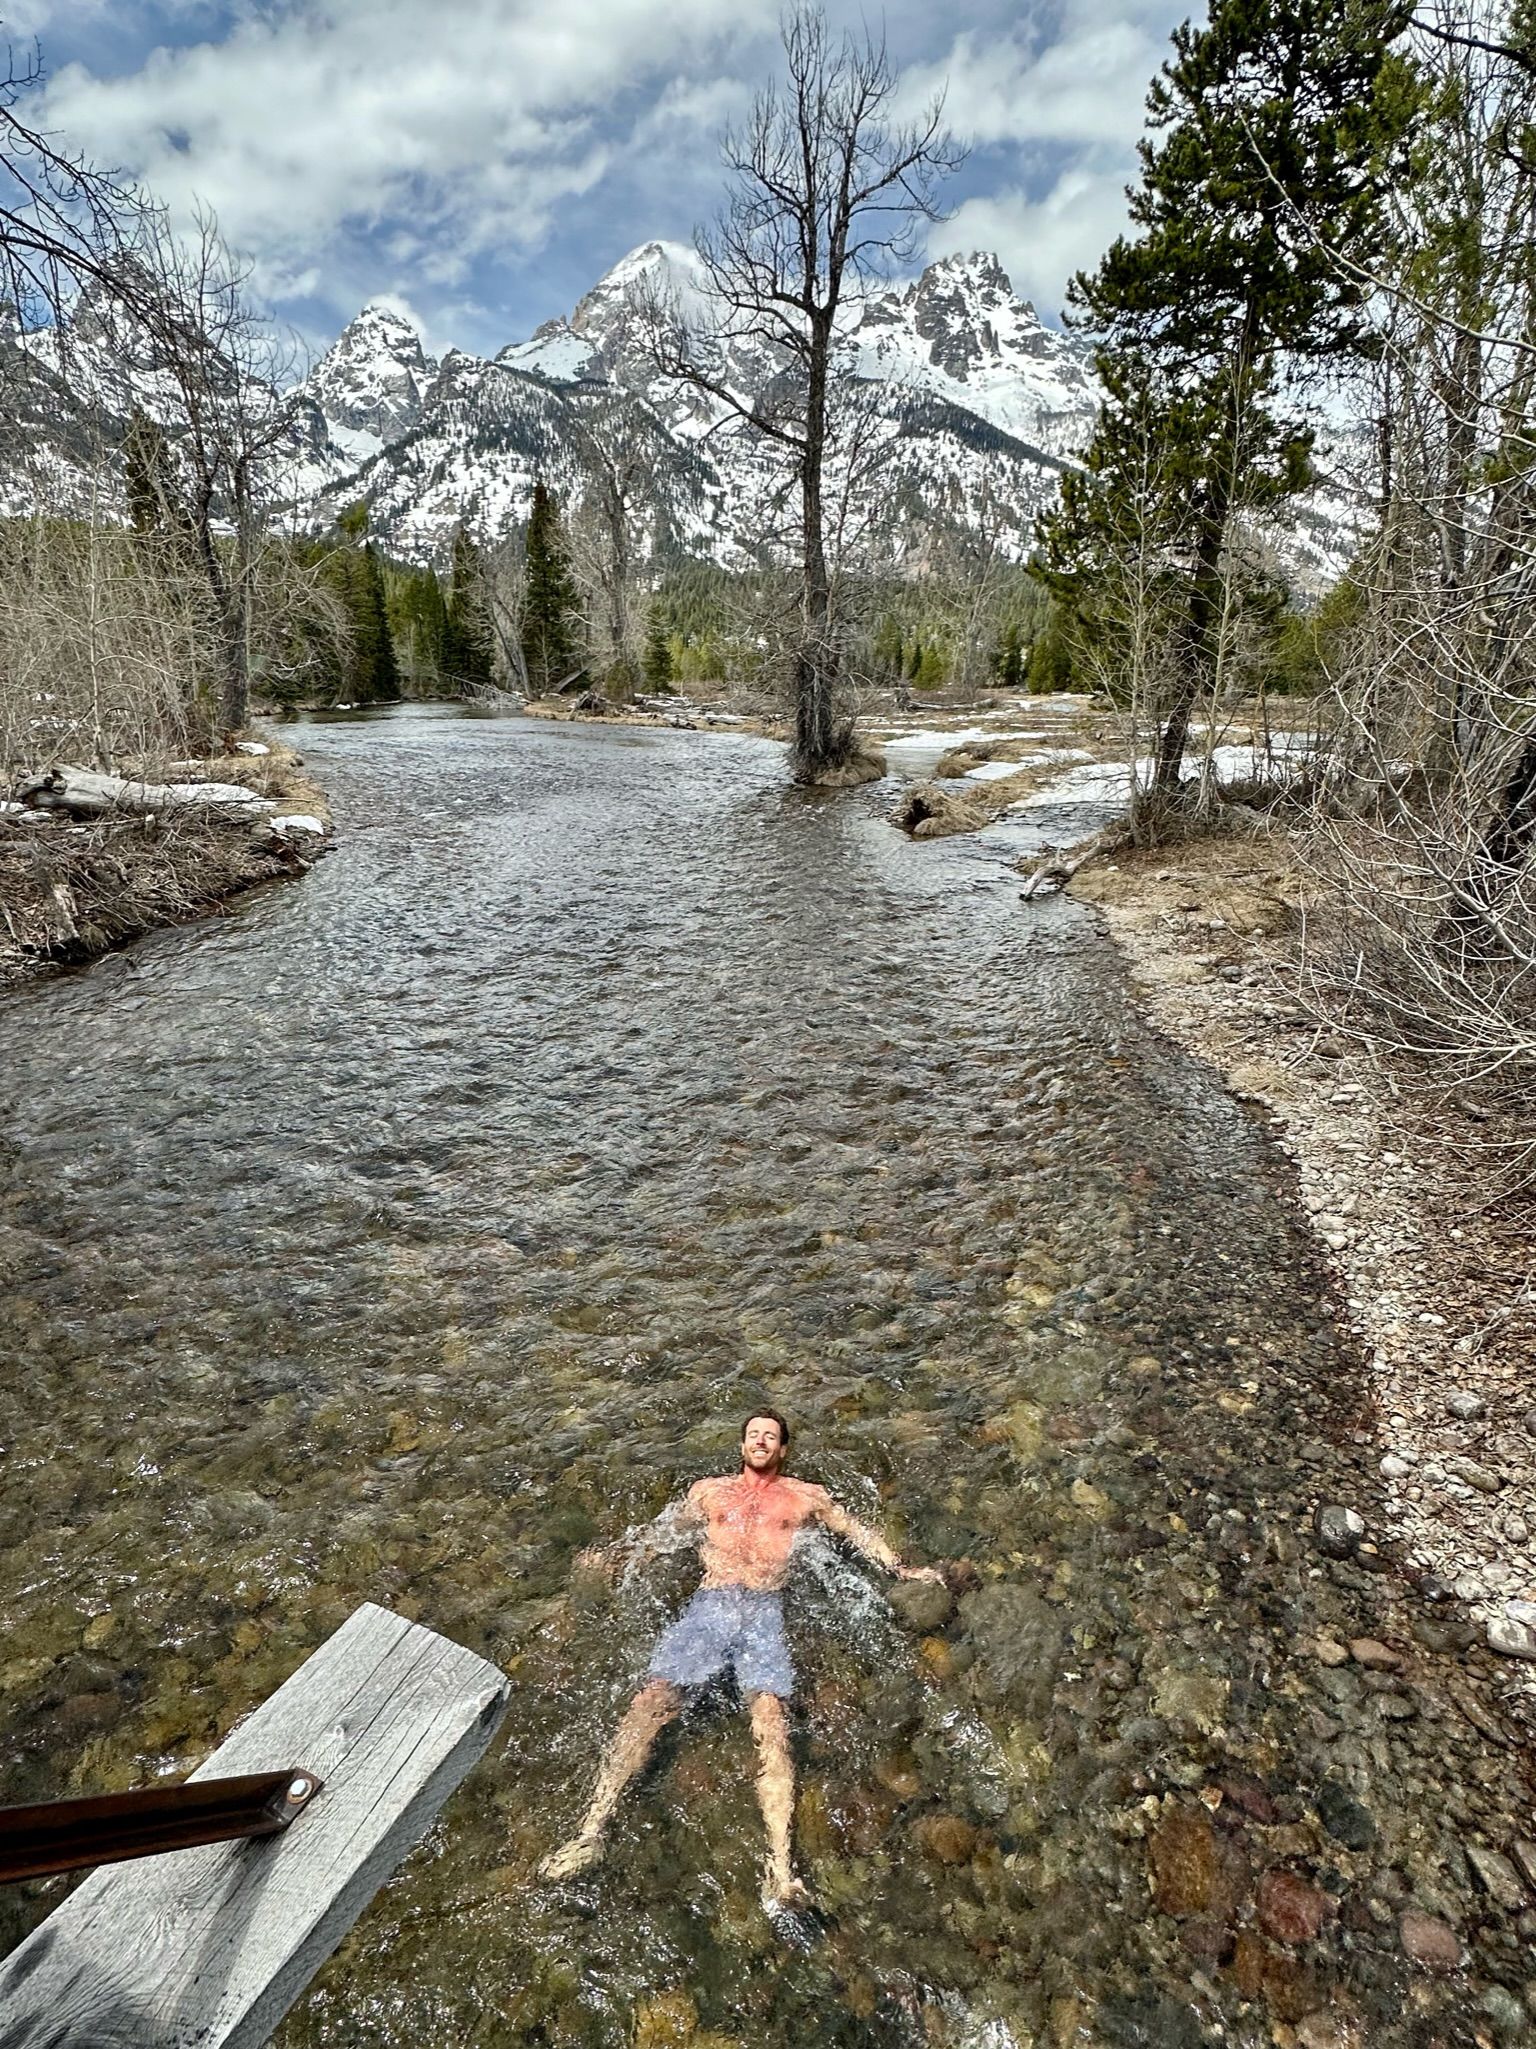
(929, 1572)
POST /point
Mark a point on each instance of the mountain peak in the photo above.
(371, 379)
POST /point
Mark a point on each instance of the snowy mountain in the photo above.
(957, 412)
(963, 408)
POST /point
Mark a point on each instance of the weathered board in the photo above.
(212, 1946)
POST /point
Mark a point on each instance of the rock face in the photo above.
(374, 376)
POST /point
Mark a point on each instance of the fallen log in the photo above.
(1059, 870)
(85, 793)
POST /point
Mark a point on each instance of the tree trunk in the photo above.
(1194, 638)
(817, 743)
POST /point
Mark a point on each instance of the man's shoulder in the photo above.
(811, 1498)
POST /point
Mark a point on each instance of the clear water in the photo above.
(417, 1224)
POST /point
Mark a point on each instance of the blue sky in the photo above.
(480, 163)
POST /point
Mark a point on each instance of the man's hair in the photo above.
(768, 1416)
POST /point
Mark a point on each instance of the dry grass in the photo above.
(69, 891)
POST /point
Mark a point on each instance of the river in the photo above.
(417, 1224)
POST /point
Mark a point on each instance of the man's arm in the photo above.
(869, 1543)
(675, 1529)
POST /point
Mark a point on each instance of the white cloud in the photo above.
(461, 126)
(1088, 85)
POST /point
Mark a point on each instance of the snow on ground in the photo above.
(1109, 782)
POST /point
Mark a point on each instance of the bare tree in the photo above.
(63, 223)
(184, 326)
(825, 189)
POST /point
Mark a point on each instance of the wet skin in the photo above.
(747, 1525)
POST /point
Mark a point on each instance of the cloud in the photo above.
(1057, 101)
(448, 129)
(1086, 83)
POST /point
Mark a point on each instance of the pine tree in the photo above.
(155, 502)
(886, 649)
(930, 669)
(468, 638)
(551, 608)
(1271, 131)
(656, 662)
(379, 677)
(1049, 667)
(1008, 661)
(915, 659)
(419, 619)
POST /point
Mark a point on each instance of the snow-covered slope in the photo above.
(957, 411)
(963, 409)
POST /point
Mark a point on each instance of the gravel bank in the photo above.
(1437, 1287)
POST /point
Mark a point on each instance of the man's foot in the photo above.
(783, 1889)
(572, 1858)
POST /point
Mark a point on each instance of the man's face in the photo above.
(762, 1446)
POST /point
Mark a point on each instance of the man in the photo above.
(744, 1527)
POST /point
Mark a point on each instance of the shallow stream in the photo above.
(417, 1224)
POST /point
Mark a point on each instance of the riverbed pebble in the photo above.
(1339, 1529)
(1428, 1942)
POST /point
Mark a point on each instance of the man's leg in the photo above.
(656, 1704)
(776, 1796)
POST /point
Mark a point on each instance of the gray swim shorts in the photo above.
(742, 1627)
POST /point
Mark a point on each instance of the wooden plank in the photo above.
(210, 1947)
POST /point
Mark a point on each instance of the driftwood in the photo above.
(85, 793)
(1059, 870)
(212, 1946)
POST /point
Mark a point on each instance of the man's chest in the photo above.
(765, 1516)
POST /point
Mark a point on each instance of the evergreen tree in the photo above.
(930, 669)
(551, 608)
(1271, 129)
(915, 659)
(378, 674)
(1008, 662)
(1049, 667)
(886, 649)
(419, 619)
(656, 662)
(468, 638)
(155, 502)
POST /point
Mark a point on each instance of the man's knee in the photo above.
(769, 1721)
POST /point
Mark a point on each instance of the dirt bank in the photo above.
(71, 888)
(1438, 1284)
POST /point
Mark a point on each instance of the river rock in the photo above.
(1429, 1943)
(1181, 1852)
(1496, 1875)
(1017, 1638)
(1466, 1405)
(1474, 1475)
(1375, 1657)
(947, 1838)
(1290, 1909)
(1343, 1816)
(921, 1605)
(1511, 1639)
(1339, 1530)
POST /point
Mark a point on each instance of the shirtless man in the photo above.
(745, 1527)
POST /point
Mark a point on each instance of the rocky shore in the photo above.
(1435, 1284)
(76, 882)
